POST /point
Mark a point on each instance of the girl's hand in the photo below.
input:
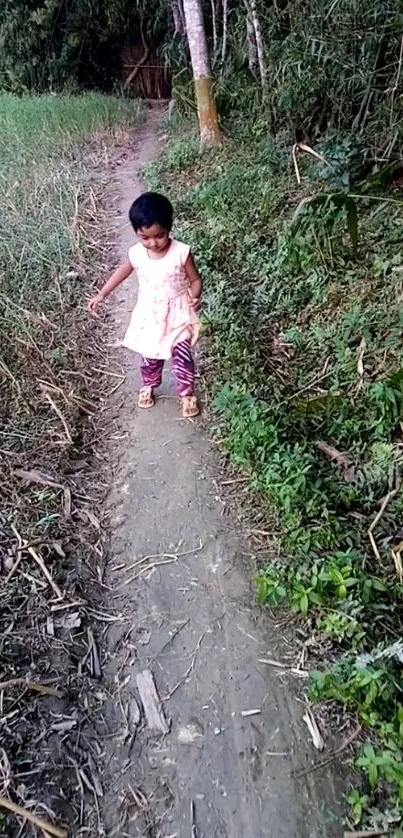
(94, 304)
(195, 304)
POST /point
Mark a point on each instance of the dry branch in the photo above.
(41, 564)
(61, 417)
(373, 833)
(30, 685)
(340, 458)
(142, 60)
(376, 520)
(27, 815)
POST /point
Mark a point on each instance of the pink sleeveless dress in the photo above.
(162, 317)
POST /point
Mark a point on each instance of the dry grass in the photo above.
(51, 542)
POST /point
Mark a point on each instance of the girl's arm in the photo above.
(122, 272)
(195, 280)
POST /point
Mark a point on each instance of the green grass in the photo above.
(305, 340)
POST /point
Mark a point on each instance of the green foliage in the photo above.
(327, 206)
(304, 334)
(52, 45)
(335, 65)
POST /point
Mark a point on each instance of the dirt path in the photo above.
(193, 622)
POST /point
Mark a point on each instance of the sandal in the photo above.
(190, 407)
(146, 398)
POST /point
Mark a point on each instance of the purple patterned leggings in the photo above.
(183, 366)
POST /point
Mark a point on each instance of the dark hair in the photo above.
(151, 208)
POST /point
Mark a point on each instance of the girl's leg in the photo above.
(151, 375)
(183, 365)
(151, 372)
(184, 369)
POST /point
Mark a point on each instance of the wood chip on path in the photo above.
(151, 702)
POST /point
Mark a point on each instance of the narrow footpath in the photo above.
(180, 578)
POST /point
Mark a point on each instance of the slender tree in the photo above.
(214, 24)
(178, 16)
(224, 29)
(251, 45)
(252, 13)
(210, 134)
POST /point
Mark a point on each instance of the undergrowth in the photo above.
(304, 319)
(51, 250)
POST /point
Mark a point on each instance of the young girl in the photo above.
(164, 323)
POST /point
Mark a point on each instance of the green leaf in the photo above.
(304, 604)
(316, 203)
(350, 582)
(372, 775)
(357, 810)
(352, 222)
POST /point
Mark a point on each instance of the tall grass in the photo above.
(40, 189)
(51, 246)
(45, 143)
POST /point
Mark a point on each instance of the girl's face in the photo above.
(155, 238)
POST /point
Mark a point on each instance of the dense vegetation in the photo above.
(306, 335)
(304, 314)
(303, 267)
(73, 44)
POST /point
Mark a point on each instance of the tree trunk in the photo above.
(251, 11)
(178, 16)
(214, 23)
(210, 134)
(253, 63)
(224, 29)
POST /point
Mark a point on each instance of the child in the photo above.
(164, 322)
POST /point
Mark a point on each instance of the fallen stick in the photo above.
(324, 762)
(270, 662)
(24, 545)
(41, 563)
(376, 520)
(61, 417)
(371, 834)
(31, 685)
(312, 726)
(193, 819)
(21, 812)
(189, 669)
(34, 476)
(14, 568)
(173, 556)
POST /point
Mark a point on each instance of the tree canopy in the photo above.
(327, 64)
